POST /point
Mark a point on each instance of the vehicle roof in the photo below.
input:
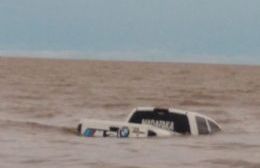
(171, 110)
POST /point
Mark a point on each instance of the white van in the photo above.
(150, 122)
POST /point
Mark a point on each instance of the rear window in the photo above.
(162, 119)
(202, 125)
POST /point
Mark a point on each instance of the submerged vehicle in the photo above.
(175, 120)
(150, 122)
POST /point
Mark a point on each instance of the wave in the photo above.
(33, 127)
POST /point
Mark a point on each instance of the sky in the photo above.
(220, 31)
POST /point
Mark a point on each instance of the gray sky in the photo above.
(187, 30)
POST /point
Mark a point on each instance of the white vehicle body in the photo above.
(175, 120)
(102, 128)
(149, 122)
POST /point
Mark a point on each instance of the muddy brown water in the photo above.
(42, 101)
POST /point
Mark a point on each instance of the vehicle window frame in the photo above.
(202, 125)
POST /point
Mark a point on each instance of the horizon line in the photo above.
(129, 56)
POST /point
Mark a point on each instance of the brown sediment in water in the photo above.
(43, 99)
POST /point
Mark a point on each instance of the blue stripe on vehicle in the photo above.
(89, 132)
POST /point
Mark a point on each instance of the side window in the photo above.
(202, 125)
(213, 126)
